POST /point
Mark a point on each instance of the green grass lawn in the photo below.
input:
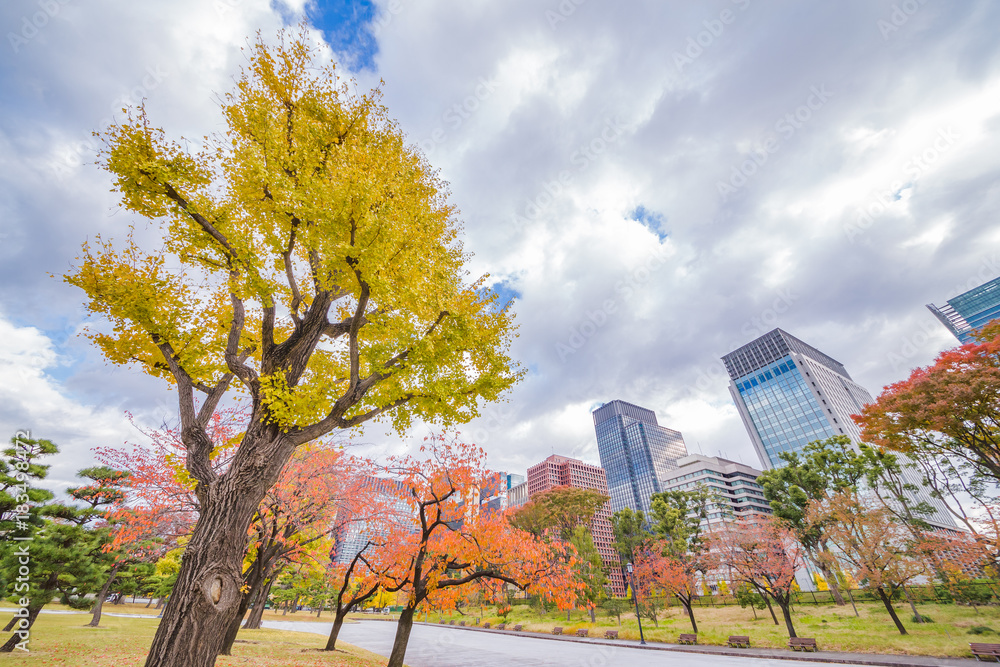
(834, 628)
(123, 642)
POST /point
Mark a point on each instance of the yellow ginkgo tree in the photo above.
(309, 260)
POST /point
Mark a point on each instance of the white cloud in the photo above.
(779, 251)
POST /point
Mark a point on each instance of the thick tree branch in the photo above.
(234, 360)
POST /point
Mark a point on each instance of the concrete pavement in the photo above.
(449, 646)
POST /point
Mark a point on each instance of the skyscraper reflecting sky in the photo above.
(967, 313)
(636, 453)
(789, 394)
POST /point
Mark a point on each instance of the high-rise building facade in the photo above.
(636, 453)
(966, 314)
(353, 530)
(564, 471)
(789, 394)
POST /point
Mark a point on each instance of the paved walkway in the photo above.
(450, 646)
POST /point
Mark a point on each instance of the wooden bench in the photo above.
(451, 622)
(557, 631)
(517, 628)
(802, 644)
(986, 651)
(501, 626)
(443, 622)
(582, 632)
(687, 639)
(486, 625)
(611, 634)
(739, 641)
(462, 623)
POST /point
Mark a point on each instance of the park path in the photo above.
(436, 646)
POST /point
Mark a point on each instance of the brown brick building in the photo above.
(563, 471)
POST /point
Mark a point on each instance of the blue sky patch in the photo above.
(649, 219)
(347, 27)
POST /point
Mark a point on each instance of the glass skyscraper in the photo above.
(967, 313)
(789, 394)
(636, 453)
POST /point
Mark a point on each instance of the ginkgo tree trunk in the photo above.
(308, 259)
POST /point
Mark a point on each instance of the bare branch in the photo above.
(234, 360)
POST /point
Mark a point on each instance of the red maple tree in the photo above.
(761, 552)
(449, 543)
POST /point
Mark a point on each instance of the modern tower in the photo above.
(563, 471)
(636, 453)
(966, 314)
(790, 394)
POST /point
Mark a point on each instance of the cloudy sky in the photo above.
(655, 183)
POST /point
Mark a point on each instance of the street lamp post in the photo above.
(635, 598)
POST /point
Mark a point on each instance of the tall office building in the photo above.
(636, 453)
(967, 313)
(563, 471)
(353, 530)
(789, 394)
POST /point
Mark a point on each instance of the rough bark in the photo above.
(10, 625)
(891, 610)
(96, 619)
(403, 629)
(207, 594)
(593, 618)
(234, 626)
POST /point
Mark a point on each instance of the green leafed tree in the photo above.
(589, 570)
(631, 533)
(309, 259)
(61, 557)
(823, 467)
